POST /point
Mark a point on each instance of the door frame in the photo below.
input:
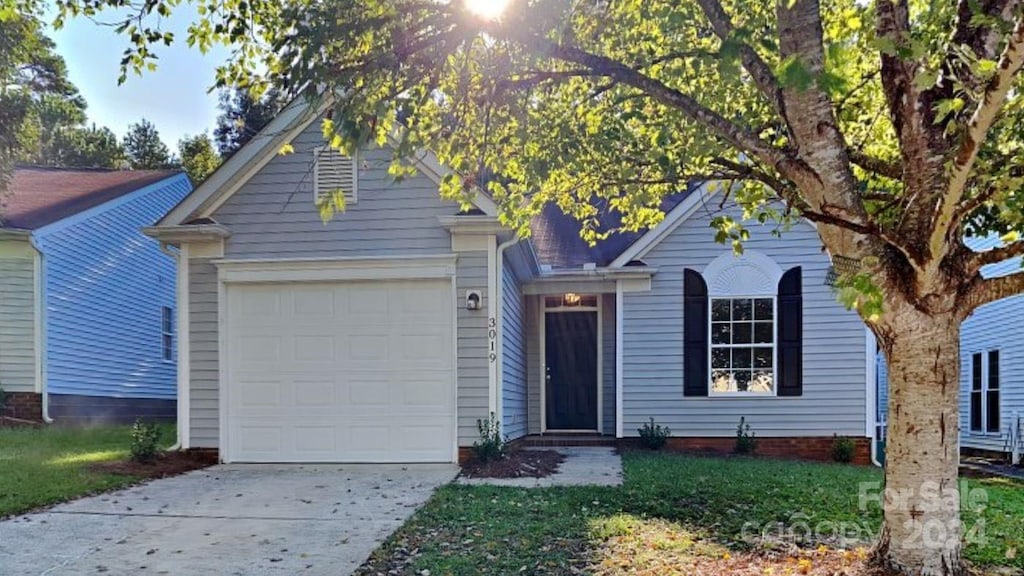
(544, 311)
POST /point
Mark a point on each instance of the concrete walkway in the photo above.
(227, 520)
(583, 466)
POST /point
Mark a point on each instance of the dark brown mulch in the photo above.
(517, 464)
(166, 464)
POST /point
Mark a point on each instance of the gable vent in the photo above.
(333, 171)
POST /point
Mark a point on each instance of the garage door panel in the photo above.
(341, 372)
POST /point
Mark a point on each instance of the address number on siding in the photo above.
(492, 340)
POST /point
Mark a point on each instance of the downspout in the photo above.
(41, 328)
(871, 366)
(499, 296)
(180, 399)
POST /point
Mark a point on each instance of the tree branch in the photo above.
(761, 73)
(977, 33)
(981, 121)
(875, 165)
(983, 291)
(995, 255)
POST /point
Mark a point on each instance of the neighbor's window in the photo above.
(742, 345)
(985, 391)
(167, 329)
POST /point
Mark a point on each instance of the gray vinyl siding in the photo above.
(991, 327)
(534, 308)
(608, 359)
(473, 370)
(834, 388)
(204, 374)
(273, 214)
(994, 326)
(513, 375)
(17, 324)
(882, 378)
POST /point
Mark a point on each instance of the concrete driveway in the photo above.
(225, 520)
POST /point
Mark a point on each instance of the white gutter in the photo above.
(182, 400)
(498, 295)
(40, 318)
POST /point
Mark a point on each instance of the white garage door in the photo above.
(340, 372)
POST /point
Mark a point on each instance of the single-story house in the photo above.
(87, 304)
(387, 332)
(991, 370)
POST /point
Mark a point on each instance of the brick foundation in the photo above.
(23, 405)
(807, 448)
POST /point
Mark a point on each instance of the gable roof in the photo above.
(38, 196)
(556, 235)
(262, 148)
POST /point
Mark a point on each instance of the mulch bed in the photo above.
(517, 464)
(166, 464)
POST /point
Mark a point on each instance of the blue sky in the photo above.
(174, 97)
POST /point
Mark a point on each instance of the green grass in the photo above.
(44, 466)
(677, 502)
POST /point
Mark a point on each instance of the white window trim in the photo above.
(317, 154)
(985, 369)
(775, 340)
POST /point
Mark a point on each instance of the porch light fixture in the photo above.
(473, 299)
(571, 299)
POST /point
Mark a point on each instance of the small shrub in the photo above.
(842, 449)
(746, 441)
(654, 436)
(145, 441)
(491, 445)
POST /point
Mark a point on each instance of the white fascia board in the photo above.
(244, 164)
(187, 233)
(672, 220)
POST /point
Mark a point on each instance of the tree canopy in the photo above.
(198, 157)
(242, 116)
(144, 148)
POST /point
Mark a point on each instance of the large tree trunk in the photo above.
(922, 531)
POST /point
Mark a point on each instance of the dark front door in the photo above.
(571, 358)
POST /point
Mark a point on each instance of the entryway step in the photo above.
(553, 440)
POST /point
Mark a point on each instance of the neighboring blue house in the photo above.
(87, 302)
(991, 370)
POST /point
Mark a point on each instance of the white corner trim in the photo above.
(618, 358)
(184, 334)
(336, 269)
(672, 220)
(38, 311)
(870, 384)
(749, 273)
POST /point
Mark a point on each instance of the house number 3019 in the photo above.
(492, 339)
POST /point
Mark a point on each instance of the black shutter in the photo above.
(790, 345)
(695, 334)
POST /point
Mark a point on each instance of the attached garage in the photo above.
(339, 371)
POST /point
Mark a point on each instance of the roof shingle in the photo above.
(38, 196)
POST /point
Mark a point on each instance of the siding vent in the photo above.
(334, 172)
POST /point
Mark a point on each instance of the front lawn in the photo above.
(678, 514)
(42, 466)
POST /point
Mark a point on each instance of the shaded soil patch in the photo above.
(166, 464)
(517, 464)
